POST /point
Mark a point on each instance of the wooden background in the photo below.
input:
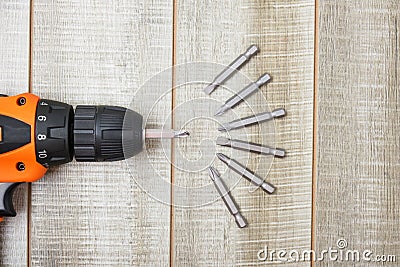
(335, 70)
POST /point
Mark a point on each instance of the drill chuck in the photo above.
(106, 133)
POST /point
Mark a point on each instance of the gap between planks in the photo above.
(173, 100)
(315, 129)
(30, 89)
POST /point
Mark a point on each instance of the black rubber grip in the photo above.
(85, 133)
(99, 133)
(6, 195)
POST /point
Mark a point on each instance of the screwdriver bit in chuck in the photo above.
(165, 133)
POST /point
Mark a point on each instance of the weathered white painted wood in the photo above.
(218, 32)
(99, 53)
(285, 32)
(14, 62)
(358, 127)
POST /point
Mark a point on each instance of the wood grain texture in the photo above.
(99, 52)
(14, 62)
(203, 236)
(358, 127)
(218, 32)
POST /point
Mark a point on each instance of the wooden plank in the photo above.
(358, 124)
(14, 65)
(99, 53)
(218, 32)
(286, 37)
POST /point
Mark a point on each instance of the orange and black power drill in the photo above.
(36, 134)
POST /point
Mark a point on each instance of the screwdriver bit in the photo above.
(246, 173)
(251, 120)
(251, 147)
(230, 70)
(165, 134)
(243, 94)
(226, 197)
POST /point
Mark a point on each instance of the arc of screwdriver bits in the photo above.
(251, 120)
(227, 197)
(246, 173)
(251, 147)
(231, 69)
(243, 94)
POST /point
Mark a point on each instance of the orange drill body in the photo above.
(11, 107)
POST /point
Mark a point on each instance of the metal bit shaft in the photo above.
(246, 173)
(165, 134)
(230, 70)
(243, 94)
(251, 120)
(226, 197)
(251, 147)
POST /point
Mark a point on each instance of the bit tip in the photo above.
(253, 49)
(222, 110)
(240, 220)
(222, 141)
(180, 134)
(223, 128)
(222, 157)
(280, 112)
(210, 88)
(213, 173)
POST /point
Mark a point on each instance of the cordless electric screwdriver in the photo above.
(36, 134)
